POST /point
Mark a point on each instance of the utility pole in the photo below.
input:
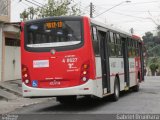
(132, 31)
(91, 10)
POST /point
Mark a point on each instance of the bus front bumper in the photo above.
(89, 88)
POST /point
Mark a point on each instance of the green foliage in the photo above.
(152, 44)
(154, 64)
(148, 37)
(52, 8)
(153, 67)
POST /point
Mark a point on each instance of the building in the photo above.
(5, 6)
(9, 44)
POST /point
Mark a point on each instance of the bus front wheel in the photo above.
(116, 90)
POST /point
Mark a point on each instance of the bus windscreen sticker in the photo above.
(40, 63)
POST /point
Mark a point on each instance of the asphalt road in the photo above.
(146, 101)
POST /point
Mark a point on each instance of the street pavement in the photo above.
(142, 102)
(11, 97)
(147, 100)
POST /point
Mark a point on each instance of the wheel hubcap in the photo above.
(116, 91)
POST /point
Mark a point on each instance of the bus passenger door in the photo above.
(142, 61)
(103, 43)
(126, 62)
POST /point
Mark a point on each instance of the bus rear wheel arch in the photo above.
(66, 99)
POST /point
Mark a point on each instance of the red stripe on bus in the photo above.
(115, 74)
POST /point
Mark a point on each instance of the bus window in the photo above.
(112, 44)
(119, 50)
(64, 33)
(94, 33)
(118, 38)
(111, 37)
(31, 38)
(118, 45)
(95, 41)
(112, 49)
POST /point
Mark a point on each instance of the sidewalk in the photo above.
(10, 90)
(11, 97)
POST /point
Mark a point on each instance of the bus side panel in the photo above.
(132, 72)
(98, 76)
(117, 67)
(95, 61)
(95, 65)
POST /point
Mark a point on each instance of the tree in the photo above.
(158, 31)
(156, 39)
(148, 37)
(52, 8)
(153, 68)
(154, 64)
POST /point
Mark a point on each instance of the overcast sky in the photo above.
(141, 15)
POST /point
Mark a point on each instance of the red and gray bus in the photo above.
(71, 56)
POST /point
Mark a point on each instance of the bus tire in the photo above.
(136, 88)
(116, 90)
(66, 99)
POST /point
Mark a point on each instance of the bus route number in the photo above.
(71, 60)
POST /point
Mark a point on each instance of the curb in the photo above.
(10, 90)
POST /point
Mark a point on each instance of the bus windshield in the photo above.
(56, 33)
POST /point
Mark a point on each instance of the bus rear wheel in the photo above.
(136, 88)
(116, 93)
(66, 99)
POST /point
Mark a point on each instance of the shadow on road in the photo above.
(82, 104)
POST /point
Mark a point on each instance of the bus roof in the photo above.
(56, 17)
(115, 29)
(110, 27)
(92, 21)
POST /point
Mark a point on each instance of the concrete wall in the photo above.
(12, 63)
(1, 39)
(9, 55)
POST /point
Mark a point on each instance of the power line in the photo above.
(25, 4)
(112, 8)
(129, 15)
(131, 3)
(144, 11)
(145, 2)
(31, 3)
(145, 18)
(38, 2)
(152, 18)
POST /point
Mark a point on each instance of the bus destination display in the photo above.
(54, 25)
